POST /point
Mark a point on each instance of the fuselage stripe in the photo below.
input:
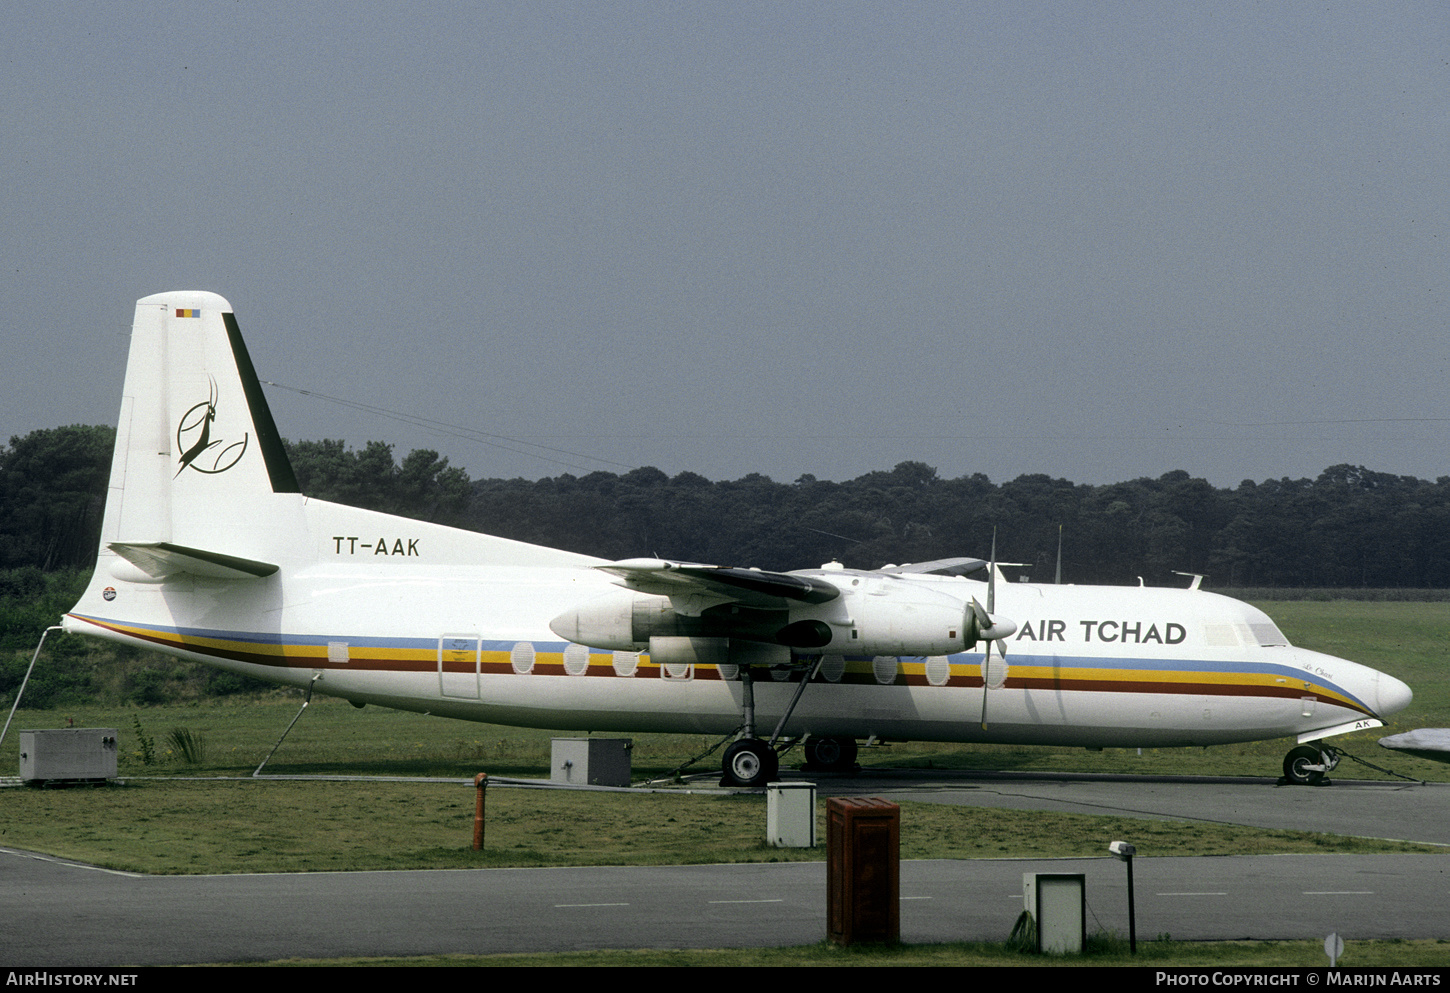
(418, 655)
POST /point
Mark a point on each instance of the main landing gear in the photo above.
(750, 762)
(831, 754)
(1307, 764)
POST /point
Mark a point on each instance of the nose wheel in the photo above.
(1308, 764)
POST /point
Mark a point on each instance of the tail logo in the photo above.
(194, 441)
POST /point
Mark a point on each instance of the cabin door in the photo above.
(459, 656)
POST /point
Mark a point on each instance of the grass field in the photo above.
(193, 826)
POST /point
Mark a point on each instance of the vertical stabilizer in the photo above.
(202, 492)
(197, 452)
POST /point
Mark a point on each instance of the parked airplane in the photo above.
(211, 552)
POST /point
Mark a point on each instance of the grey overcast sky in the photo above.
(1094, 240)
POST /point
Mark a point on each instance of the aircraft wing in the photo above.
(695, 586)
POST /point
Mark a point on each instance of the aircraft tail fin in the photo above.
(201, 488)
(195, 441)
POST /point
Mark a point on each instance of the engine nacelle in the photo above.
(620, 621)
(899, 619)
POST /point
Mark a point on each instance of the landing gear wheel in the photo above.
(831, 754)
(1297, 763)
(749, 762)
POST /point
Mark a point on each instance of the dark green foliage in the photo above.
(1349, 528)
(61, 673)
(144, 742)
(1023, 936)
(215, 682)
(52, 491)
(149, 686)
(188, 745)
(30, 602)
(423, 487)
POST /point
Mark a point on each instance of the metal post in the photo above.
(1124, 852)
(1132, 914)
(480, 783)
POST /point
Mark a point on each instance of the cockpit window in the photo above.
(1266, 633)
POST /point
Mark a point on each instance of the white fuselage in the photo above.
(1091, 666)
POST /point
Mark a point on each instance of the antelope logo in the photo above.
(194, 440)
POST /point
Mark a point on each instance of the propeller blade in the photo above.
(1058, 579)
(985, 626)
(992, 577)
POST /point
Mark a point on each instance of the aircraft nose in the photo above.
(1391, 695)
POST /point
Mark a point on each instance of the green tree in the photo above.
(52, 495)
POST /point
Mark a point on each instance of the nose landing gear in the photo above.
(1307, 765)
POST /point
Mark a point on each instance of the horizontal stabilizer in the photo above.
(160, 559)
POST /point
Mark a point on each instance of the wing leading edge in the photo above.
(698, 583)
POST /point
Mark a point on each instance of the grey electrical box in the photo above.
(591, 761)
(790, 815)
(64, 754)
(1057, 901)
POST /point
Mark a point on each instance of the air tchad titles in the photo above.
(1125, 632)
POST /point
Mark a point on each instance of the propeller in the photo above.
(983, 626)
(980, 625)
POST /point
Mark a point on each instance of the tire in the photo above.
(749, 762)
(1296, 763)
(832, 754)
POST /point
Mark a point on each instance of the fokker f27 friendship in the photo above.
(211, 552)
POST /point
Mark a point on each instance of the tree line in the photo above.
(1349, 527)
